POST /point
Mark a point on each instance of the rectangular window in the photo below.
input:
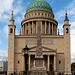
(18, 62)
(59, 62)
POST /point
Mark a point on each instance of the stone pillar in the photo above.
(22, 29)
(32, 27)
(41, 27)
(36, 26)
(39, 40)
(45, 27)
(29, 62)
(25, 28)
(49, 27)
(54, 62)
(29, 29)
(52, 28)
(48, 62)
(56, 30)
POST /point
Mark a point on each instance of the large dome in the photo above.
(39, 5)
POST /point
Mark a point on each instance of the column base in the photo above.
(9, 72)
(67, 74)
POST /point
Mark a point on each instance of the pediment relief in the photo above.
(43, 49)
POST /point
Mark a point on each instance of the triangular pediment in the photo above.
(43, 49)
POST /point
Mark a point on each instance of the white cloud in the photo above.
(0, 42)
(18, 19)
(3, 55)
(5, 31)
(5, 7)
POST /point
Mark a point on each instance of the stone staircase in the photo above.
(39, 73)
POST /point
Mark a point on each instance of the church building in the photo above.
(49, 51)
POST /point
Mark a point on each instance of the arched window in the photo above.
(11, 30)
(66, 30)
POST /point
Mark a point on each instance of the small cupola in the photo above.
(66, 18)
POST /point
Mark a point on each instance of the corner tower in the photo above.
(11, 42)
(67, 50)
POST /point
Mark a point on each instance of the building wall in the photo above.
(52, 42)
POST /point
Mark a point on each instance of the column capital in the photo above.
(54, 55)
(48, 54)
(29, 54)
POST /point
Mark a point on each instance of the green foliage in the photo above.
(73, 66)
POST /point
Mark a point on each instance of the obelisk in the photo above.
(39, 63)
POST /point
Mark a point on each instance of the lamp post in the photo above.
(26, 52)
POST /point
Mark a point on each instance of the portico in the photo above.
(50, 59)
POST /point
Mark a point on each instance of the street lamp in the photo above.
(26, 52)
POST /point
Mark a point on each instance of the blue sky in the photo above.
(20, 6)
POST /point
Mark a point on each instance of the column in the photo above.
(45, 27)
(41, 27)
(56, 30)
(22, 29)
(54, 62)
(25, 28)
(29, 62)
(29, 30)
(48, 62)
(36, 26)
(32, 28)
(52, 28)
(49, 27)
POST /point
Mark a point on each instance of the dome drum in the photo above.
(39, 13)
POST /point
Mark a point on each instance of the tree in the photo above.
(73, 66)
